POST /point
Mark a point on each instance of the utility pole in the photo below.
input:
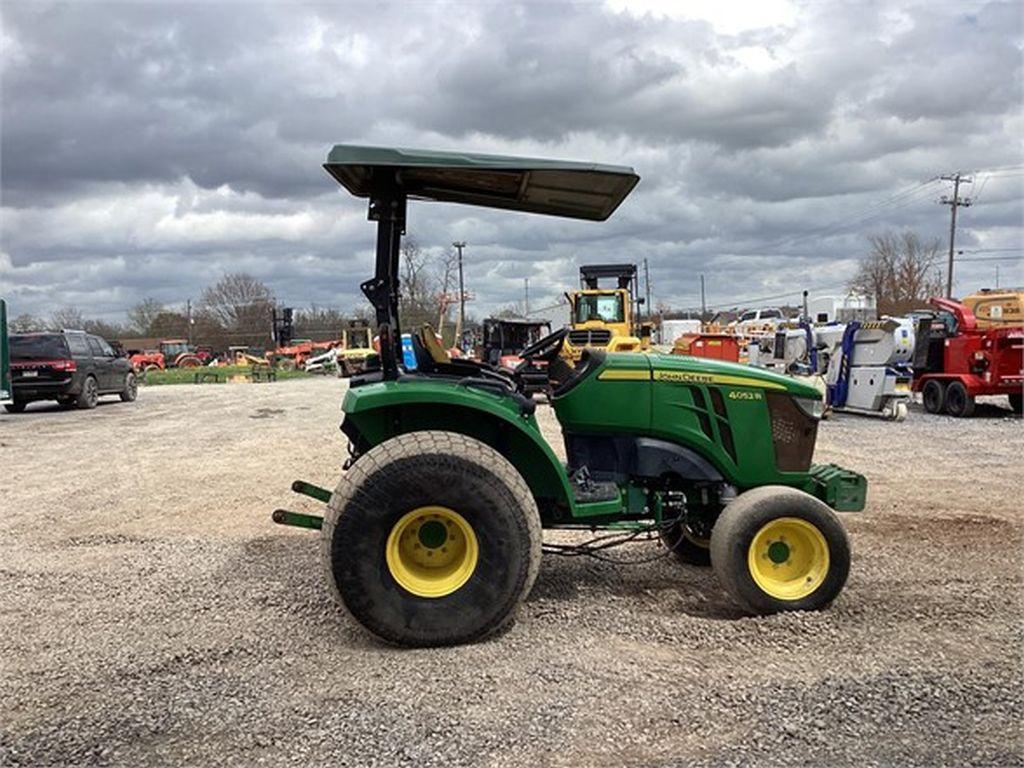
(997, 275)
(188, 319)
(703, 301)
(526, 297)
(459, 245)
(954, 202)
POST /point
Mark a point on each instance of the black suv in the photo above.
(71, 367)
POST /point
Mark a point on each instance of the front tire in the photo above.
(131, 388)
(779, 549)
(89, 397)
(959, 402)
(432, 538)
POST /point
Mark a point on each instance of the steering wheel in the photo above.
(547, 348)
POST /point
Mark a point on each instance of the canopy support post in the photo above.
(387, 208)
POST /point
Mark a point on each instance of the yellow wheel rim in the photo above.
(432, 551)
(788, 558)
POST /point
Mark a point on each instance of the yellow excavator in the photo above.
(606, 318)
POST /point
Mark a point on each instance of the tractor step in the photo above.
(593, 492)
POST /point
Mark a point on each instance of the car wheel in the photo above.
(14, 407)
(432, 538)
(933, 396)
(959, 402)
(89, 397)
(131, 388)
(779, 549)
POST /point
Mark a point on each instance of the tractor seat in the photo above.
(430, 343)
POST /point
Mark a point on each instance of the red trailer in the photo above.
(956, 362)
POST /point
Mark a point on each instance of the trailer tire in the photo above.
(776, 548)
(1017, 402)
(933, 396)
(959, 402)
(423, 494)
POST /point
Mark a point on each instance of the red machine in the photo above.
(717, 346)
(955, 362)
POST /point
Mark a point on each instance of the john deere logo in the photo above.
(684, 376)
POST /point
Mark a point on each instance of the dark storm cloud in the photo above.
(147, 148)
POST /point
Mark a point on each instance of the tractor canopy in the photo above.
(389, 178)
(554, 187)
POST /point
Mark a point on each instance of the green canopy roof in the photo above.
(554, 187)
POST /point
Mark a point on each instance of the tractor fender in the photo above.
(377, 412)
(655, 458)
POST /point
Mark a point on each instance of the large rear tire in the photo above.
(959, 402)
(432, 538)
(933, 396)
(776, 548)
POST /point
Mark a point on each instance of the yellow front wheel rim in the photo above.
(432, 551)
(788, 558)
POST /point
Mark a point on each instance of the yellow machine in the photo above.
(355, 347)
(606, 318)
(994, 307)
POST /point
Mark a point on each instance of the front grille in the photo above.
(593, 337)
(793, 433)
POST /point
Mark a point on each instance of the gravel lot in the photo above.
(151, 614)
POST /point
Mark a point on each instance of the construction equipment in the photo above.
(433, 534)
(716, 346)
(355, 348)
(606, 318)
(504, 339)
(955, 361)
(994, 307)
(865, 365)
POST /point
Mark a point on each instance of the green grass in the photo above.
(187, 375)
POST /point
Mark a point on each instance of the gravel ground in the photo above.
(151, 614)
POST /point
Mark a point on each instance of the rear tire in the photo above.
(382, 508)
(958, 402)
(1017, 402)
(14, 407)
(776, 548)
(933, 396)
(89, 397)
(131, 388)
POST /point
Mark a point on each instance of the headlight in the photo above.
(812, 406)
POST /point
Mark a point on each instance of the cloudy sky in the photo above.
(147, 148)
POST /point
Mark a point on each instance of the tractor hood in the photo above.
(553, 187)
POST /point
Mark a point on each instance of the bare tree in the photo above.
(239, 302)
(68, 317)
(169, 325)
(26, 323)
(104, 329)
(901, 272)
(142, 315)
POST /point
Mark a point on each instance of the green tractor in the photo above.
(433, 534)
